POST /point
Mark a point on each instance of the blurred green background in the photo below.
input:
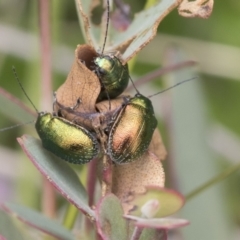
(199, 121)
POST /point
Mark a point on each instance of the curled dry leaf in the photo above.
(121, 17)
(197, 8)
(156, 146)
(109, 109)
(131, 179)
(139, 33)
(81, 85)
(89, 31)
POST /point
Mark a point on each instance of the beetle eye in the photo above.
(101, 71)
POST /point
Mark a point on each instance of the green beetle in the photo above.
(68, 141)
(133, 127)
(113, 76)
(132, 130)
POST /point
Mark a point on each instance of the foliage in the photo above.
(108, 210)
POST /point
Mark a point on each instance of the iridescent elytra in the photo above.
(133, 127)
(132, 130)
(113, 76)
(68, 141)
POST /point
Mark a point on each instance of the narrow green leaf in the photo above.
(39, 221)
(158, 223)
(8, 229)
(58, 172)
(143, 29)
(194, 162)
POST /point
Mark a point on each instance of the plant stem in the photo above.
(137, 233)
(91, 180)
(213, 181)
(45, 49)
(161, 71)
(70, 217)
(49, 198)
(106, 175)
(91, 183)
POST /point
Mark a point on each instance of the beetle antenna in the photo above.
(133, 85)
(15, 126)
(175, 85)
(107, 24)
(21, 86)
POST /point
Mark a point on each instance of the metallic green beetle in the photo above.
(66, 140)
(113, 76)
(132, 130)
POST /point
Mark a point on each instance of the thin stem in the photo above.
(137, 233)
(45, 49)
(106, 176)
(161, 71)
(91, 183)
(213, 181)
(49, 198)
(70, 217)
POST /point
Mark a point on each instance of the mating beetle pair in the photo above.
(131, 127)
(76, 144)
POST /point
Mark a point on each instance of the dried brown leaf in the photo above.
(83, 13)
(156, 146)
(142, 30)
(81, 84)
(116, 103)
(197, 8)
(139, 33)
(131, 179)
(103, 106)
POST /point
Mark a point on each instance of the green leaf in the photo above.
(193, 161)
(158, 223)
(153, 234)
(110, 221)
(39, 221)
(58, 172)
(170, 201)
(8, 229)
(140, 32)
